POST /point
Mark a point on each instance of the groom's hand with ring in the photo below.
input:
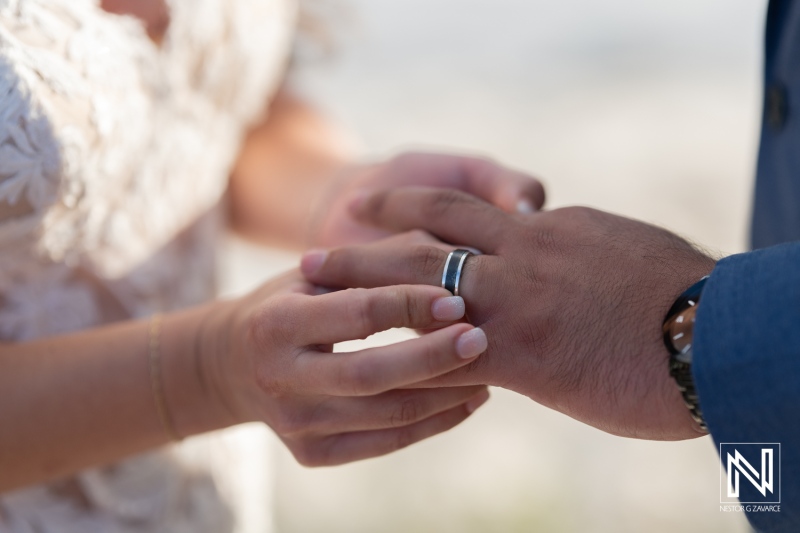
(571, 300)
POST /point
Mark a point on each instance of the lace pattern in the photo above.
(114, 154)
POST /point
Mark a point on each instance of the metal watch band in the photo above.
(681, 316)
(682, 374)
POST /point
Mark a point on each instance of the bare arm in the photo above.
(70, 402)
(282, 169)
(294, 180)
(85, 399)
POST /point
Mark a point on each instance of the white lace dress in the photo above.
(114, 153)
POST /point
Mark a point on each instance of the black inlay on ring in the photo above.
(452, 270)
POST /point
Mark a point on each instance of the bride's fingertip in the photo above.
(448, 309)
(471, 343)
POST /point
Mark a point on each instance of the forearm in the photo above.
(70, 402)
(282, 173)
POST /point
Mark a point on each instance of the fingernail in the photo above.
(525, 207)
(359, 197)
(471, 344)
(312, 261)
(477, 400)
(448, 308)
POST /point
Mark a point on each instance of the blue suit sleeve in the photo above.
(747, 363)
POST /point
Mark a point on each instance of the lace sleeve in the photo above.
(107, 139)
(62, 65)
(30, 162)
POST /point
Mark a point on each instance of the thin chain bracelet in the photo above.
(156, 383)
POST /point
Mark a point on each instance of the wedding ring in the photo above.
(451, 275)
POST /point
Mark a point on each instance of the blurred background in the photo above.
(649, 109)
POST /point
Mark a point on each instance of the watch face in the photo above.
(681, 330)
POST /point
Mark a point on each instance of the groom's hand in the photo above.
(571, 300)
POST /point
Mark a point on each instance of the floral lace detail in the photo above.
(114, 154)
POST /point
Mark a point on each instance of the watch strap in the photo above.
(680, 361)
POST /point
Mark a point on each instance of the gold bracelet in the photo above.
(155, 379)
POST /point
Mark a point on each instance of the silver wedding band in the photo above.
(451, 275)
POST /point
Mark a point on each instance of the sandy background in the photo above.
(649, 109)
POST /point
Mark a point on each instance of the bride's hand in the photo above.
(333, 223)
(269, 357)
(572, 300)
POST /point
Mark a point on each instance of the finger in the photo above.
(348, 447)
(390, 409)
(452, 216)
(386, 263)
(358, 313)
(375, 370)
(509, 189)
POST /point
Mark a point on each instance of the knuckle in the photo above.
(361, 307)
(395, 306)
(477, 270)
(441, 202)
(273, 382)
(364, 308)
(409, 307)
(476, 264)
(373, 303)
(426, 261)
(431, 356)
(409, 411)
(406, 309)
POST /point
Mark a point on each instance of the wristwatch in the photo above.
(678, 331)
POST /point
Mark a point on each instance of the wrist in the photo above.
(668, 415)
(678, 338)
(194, 347)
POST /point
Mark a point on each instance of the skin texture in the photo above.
(572, 300)
(276, 366)
(333, 223)
(210, 353)
(298, 150)
(85, 399)
(286, 163)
